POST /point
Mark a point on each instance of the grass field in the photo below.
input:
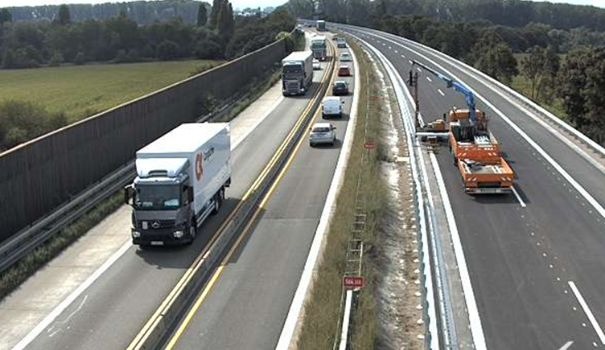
(80, 91)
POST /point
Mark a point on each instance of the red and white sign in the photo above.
(353, 282)
(199, 166)
(369, 145)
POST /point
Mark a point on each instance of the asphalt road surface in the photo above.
(536, 271)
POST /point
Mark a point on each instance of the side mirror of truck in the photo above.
(128, 191)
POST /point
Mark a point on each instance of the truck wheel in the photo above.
(192, 231)
(218, 201)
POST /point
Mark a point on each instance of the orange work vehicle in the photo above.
(474, 149)
(476, 153)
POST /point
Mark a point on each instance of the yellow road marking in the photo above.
(156, 317)
(218, 272)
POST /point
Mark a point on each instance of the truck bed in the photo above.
(492, 177)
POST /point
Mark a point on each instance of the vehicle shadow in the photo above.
(337, 144)
(344, 117)
(182, 256)
(509, 198)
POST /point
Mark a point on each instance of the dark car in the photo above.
(340, 88)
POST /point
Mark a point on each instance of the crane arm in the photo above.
(468, 95)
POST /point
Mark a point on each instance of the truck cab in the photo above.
(162, 196)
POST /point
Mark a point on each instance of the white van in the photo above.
(332, 106)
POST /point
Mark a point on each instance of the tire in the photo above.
(218, 201)
(193, 230)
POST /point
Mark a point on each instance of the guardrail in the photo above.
(41, 231)
(154, 332)
(432, 273)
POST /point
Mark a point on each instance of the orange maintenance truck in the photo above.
(474, 149)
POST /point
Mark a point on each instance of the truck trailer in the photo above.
(181, 181)
(297, 73)
(319, 46)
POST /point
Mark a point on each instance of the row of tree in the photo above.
(216, 35)
(576, 83)
(142, 12)
(516, 13)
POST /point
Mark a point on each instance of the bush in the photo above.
(21, 121)
(167, 50)
(208, 49)
(56, 60)
(79, 59)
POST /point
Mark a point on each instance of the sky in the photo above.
(238, 4)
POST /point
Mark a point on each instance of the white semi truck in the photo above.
(181, 180)
(319, 47)
(297, 73)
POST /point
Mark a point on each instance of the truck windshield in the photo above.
(157, 197)
(292, 68)
(318, 44)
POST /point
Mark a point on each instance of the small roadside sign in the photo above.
(353, 282)
(369, 145)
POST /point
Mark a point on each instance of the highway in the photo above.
(252, 295)
(111, 311)
(535, 260)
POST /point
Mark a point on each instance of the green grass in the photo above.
(81, 91)
(322, 311)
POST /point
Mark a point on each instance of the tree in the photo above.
(581, 86)
(494, 57)
(541, 67)
(216, 8)
(168, 50)
(202, 15)
(63, 18)
(532, 67)
(5, 16)
(225, 24)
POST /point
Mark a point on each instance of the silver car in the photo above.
(345, 57)
(322, 133)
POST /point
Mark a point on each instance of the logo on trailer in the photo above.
(199, 166)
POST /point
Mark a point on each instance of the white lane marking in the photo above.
(567, 345)
(519, 197)
(483, 78)
(396, 51)
(410, 61)
(429, 79)
(522, 133)
(296, 309)
(469, 295)
(390, 48)
(440, 92)
(71, 298)
(402, 56)
(418, 68)
(587, 311)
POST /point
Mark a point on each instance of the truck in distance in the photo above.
(297, 73)
(320, 25)
(319, 47)
(181, 180)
